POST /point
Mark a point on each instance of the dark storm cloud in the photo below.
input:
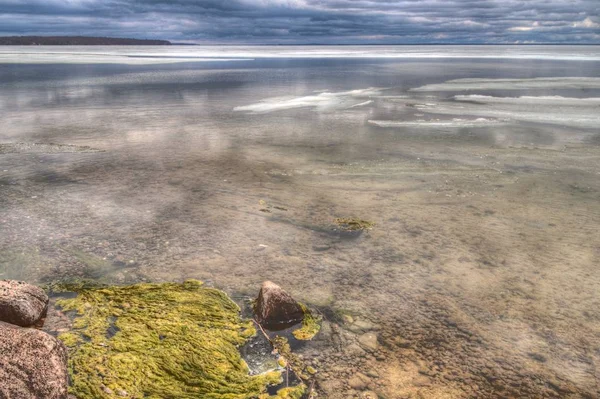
(310, 21)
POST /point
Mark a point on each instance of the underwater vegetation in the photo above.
(164, 340)
(288, 360)
(354, 224)
(311, 325)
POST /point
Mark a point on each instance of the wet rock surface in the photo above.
(275, 308)
(21, 304)
(33, 364)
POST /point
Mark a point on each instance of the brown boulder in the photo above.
(33, 364)
(275, 308)
(22, 304)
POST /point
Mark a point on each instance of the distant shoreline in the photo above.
(114, 41)
(77, 41)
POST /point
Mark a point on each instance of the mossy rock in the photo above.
(159, 341)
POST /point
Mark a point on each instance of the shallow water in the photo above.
(480, 276)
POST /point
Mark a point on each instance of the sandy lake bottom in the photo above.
(479, 278)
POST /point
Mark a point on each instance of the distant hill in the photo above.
(76, 41)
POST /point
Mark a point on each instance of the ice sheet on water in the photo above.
(573, 112)
(466, 110)
(529, 100)
(322, 101)
(453, 123)
(361, 104)
(127, 55)
(513, 84)
(169, 54)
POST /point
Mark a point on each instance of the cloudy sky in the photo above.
(310, 21)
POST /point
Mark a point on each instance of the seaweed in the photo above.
(311, 325)
(171, 341)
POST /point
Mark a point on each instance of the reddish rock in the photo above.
(22, 304)
(33, 364)
(275, 308)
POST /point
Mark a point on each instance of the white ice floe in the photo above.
(573, 112)
(530, 100)
(512, 84)
(454, 123)
(361, 104)
(321, 102)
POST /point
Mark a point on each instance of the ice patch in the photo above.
(361, 104)
(530, 100)
(321, 102)
(580, 113)
(457, 122)
(512, 84)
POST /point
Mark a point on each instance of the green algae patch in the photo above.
(70, 339)
(311, 325)
(159, 341)
(354, 224)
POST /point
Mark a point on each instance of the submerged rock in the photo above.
(359, 381)
(369, 341)
(275, 308)
(33, 364)
(22, 304)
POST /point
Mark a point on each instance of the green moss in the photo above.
(282, 362)
(311, 325)
(70, 339)
(159, 341)
(291, 392)
(354, 224)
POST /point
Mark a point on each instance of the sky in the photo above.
(310, 21)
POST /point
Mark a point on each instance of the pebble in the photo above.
(359, 381)
(368, 395)
(369, 341)
(331, 387)
(361, 326)
(354, 350)
(321, 248)
(372, 374)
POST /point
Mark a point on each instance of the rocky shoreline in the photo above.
(180, 340)
(33, 364)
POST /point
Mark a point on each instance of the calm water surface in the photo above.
(479, 166)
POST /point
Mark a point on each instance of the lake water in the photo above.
(480, 167)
